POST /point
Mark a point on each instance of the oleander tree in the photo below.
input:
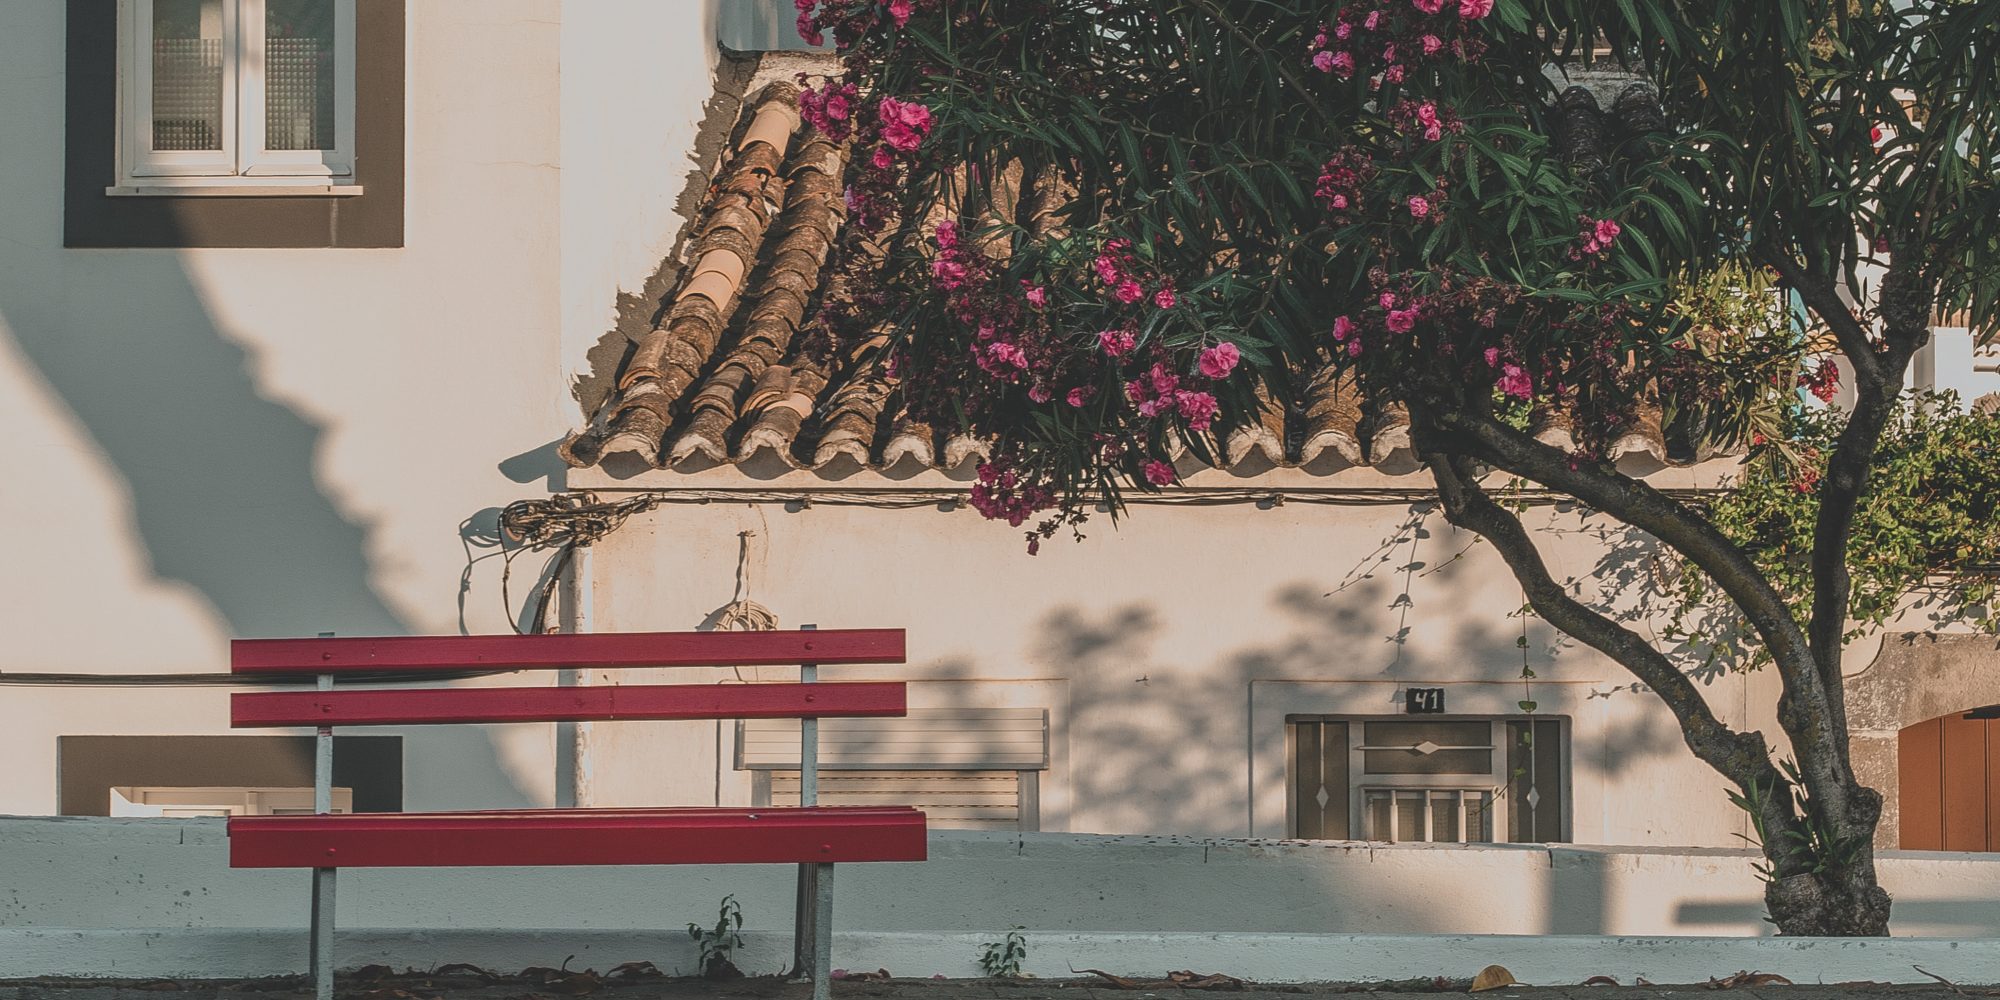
(1098, 231)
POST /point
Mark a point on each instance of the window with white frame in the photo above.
(1436, 779)
(236, 93)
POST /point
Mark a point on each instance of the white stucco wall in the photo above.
(1168, 650)
(218, 443)
(156, 897)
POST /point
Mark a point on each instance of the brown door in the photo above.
(1950, 784)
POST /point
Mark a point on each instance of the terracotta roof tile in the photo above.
(722, 378)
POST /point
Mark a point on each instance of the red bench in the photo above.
(810, 836)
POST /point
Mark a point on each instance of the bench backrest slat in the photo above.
(386, 707)
(419, 654)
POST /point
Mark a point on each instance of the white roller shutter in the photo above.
(966, 768)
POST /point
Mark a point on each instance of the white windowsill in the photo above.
(234, 191)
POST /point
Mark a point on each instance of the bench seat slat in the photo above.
(385, 707)
(673, 836)
(419, 654)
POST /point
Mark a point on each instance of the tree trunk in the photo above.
(1829, 904)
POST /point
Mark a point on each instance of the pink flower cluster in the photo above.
(1513, 380)
(830, 110)
(850, 19)
(1001, 496)
(1594, 237)
(1823, 381)
(904, 125)
(1125, 280)
(1396, 37)
(1425, 118)
(1159, 392)
(1341, 180)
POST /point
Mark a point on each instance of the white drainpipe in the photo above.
(573, 764)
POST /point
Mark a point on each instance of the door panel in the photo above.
(1948, 773)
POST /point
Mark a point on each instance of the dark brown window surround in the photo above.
(373, 218)
(88, 767)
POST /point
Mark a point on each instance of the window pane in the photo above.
(1444, 817)
(1410, 815)
(1479, 817)
(298, 74)
(187, 74)
(1379, 825)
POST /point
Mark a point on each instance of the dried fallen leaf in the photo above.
(371, 973)
(462, 969)
(1117, 982)
(634, 970)
(1189, 980)
(576, 983)
(1742, 979)
(1492, 978)
(1600, 981)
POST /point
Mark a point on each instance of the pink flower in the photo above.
(1393, 74)
(1164, 298)
(1343, 30)
(1607, 231)
(1354, 348)
(1373, 20)
(1037, 296)
(1343, 64)
(1515, 382)
(1473, 10)
(1116, 343)
(1388, 300)
(1197, 408)
(836, 107)
(946, 234)
(1323, 61)
(1339, 202)
(1419, 206)
(1040, 393)
(1492, 357)
(1402, 320)
(1107, 268)
(1343, 328)
(1128, 291)
(1432, 44)
(900, 10)
(1220, 360)
(948, 273)
(1080, 395)
(882, 159)
(1429, 6)
(1159, 473)
(904, 123)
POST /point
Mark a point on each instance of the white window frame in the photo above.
(178, 801)
(243, 165)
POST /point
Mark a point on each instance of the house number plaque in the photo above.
(1423, 701)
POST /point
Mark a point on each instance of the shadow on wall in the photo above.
(223, 494)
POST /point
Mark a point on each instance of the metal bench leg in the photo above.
(322, 932)
(822, 932)
(323, 878)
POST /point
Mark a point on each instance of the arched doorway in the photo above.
(1949, 783)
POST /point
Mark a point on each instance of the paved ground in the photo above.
(456, 984)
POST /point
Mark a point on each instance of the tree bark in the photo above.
(1822, 885)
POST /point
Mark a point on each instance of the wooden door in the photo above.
(1949, 798)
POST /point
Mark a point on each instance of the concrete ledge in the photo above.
(225, 953)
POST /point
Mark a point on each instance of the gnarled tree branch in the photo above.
(1740, 757)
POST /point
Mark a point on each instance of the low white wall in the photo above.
(1271, 958)
(157, 897)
